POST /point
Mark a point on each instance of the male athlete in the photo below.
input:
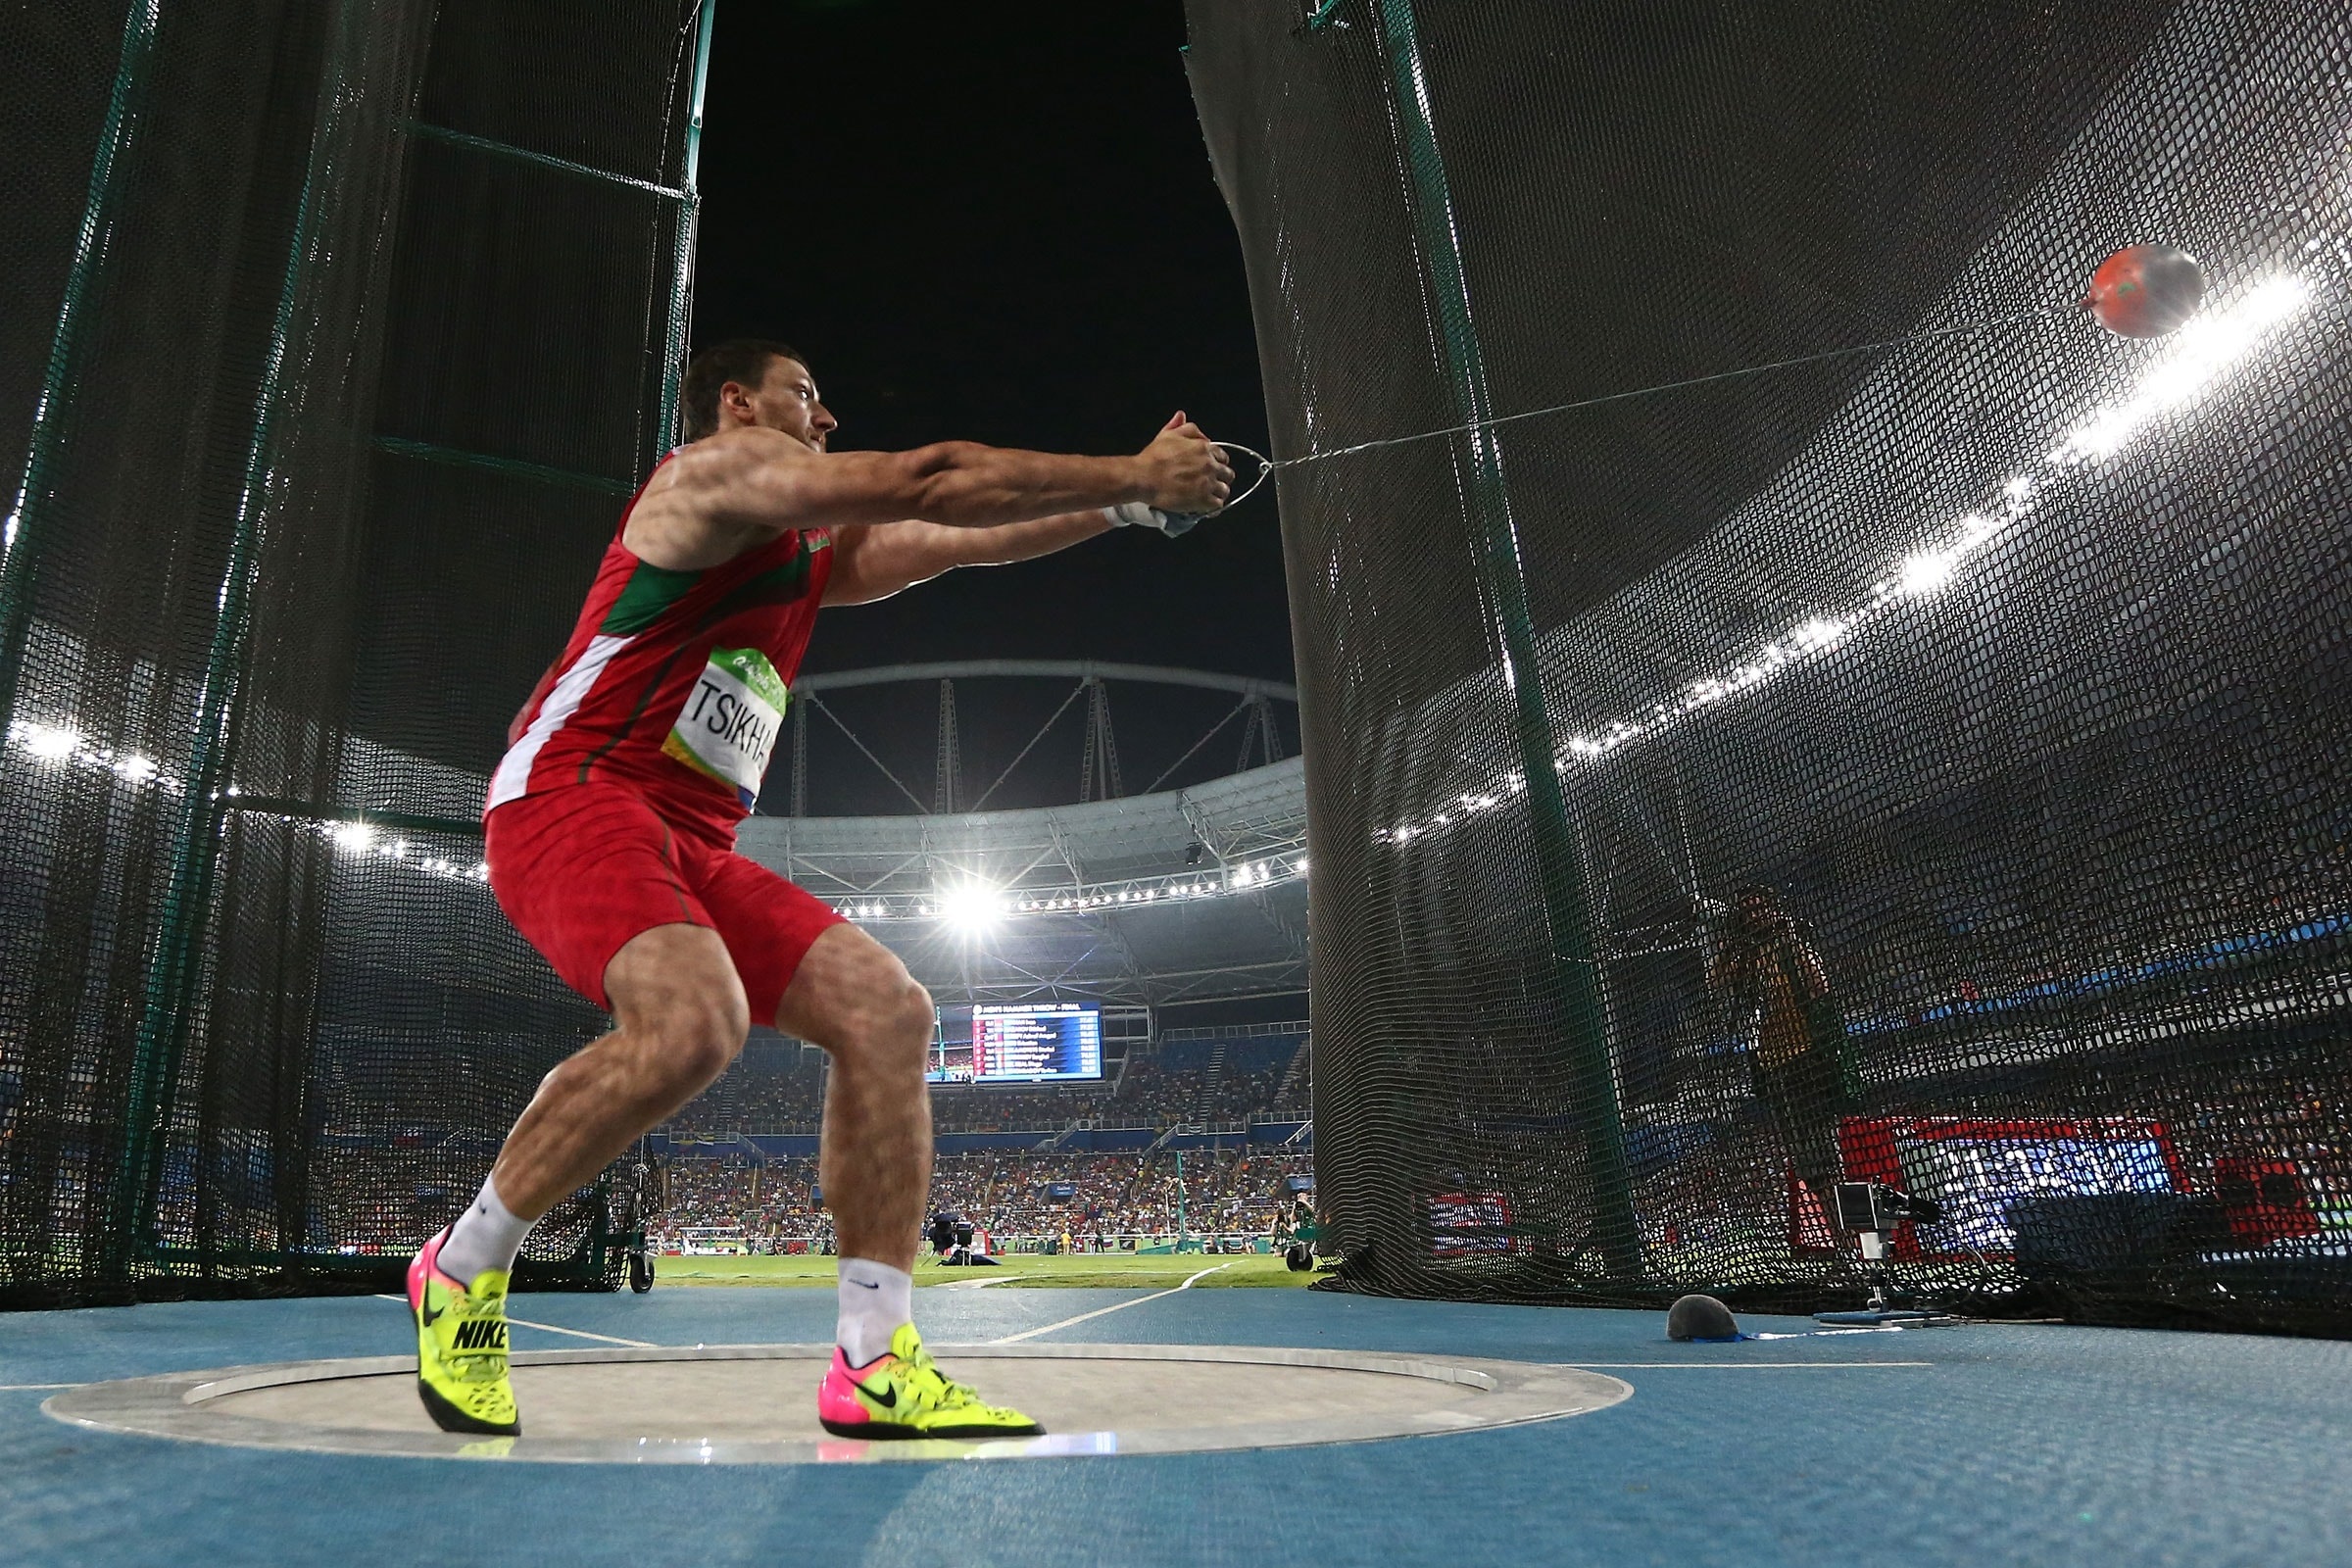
(611, 841)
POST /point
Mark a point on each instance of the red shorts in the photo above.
(582, 870)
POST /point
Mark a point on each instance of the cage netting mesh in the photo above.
(334, 336)
(2006, 658)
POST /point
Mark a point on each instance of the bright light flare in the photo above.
(51, 743)
(2206, 348)
(971, 906)
(2201, 353)
(1925, 573)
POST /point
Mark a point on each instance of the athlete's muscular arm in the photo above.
(879, 560)
(734, 491)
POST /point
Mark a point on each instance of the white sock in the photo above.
(485, 1237)
(875, 1299)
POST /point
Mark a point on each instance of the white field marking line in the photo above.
(981, 1285)
(1105, 1311)
(608, 1339)
(27, 1388)
(550, 1328)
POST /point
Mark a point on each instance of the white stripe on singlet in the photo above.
(514, 775)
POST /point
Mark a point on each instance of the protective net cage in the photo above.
(1788, 698)
(334, 336)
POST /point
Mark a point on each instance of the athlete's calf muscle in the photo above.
(852, 997)
(682, 1019)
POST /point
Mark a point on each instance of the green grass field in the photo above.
(1122, 1270)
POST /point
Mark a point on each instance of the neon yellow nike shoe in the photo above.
(462, 1346)
(902, 1393)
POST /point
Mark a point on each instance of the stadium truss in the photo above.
(1099, 775)
(1178, 896)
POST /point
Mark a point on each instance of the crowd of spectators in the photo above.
(1096, 1201)
(771, 1204)
(1200, 1185)
(1294, 1091)
(769, 1088)
(780, 1088)
(1152, 1092)
(1254, 1069)
(1208, 1081)
(365, 1220)
(991, 1109)
(1008, 1192)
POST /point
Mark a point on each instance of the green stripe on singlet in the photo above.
(778, 585)
(649, 592)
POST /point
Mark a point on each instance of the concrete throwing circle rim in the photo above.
(1484, 1395)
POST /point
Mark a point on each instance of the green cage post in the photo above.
(1575, 972)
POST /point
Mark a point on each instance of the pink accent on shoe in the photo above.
(836, 1401)
(427, 1261)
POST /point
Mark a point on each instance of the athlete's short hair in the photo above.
(741, 359)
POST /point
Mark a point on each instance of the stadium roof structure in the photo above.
(1176, 896)
(1185, 895)
(1087, 700)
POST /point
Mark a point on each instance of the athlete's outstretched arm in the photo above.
(878, 559)
(762, 482)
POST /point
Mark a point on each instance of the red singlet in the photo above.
(615, 808)
(674, 682)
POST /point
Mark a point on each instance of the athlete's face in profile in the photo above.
(787, 400)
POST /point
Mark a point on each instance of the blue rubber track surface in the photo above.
(2013, 1445)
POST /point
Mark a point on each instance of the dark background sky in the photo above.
(998, 224)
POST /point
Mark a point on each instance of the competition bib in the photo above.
(727, 730)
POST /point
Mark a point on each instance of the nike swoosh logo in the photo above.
(428, 1314)
(866, 1283)
(887, 1397)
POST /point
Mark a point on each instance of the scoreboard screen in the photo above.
(1036, 1043)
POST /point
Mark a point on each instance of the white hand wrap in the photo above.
(1139, 514)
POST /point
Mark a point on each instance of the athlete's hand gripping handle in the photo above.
(1189, 477)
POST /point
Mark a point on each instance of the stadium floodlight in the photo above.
(2206, 350)
(62, 743)
(971, 906)
(1926, 572)
(51, 743)
(1818, 633)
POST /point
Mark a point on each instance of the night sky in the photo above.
(999, 224)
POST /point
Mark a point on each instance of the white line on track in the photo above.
(981, 1285)
(581, 1333)
(27, 1388)
(1105, 1311)
(1742, 1366)
(550, 1328)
